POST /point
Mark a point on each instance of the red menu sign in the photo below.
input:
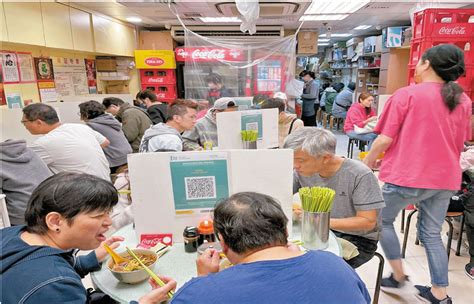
(203, 54)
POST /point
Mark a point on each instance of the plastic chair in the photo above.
(379, 278)
(449, 215)
(4, 211)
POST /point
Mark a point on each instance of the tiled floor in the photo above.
(461, 287)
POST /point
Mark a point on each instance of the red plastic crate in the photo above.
(419, 46)
(157, 76)
(162, 91)
(442, 23)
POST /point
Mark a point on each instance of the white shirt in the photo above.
(73, 148)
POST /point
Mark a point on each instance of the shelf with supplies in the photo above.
(372, 54)
(369, 68)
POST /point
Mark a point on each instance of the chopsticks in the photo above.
(148, 270)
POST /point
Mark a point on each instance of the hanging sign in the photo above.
(209, 54)
(149, 59)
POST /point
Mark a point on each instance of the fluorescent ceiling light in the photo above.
(219, 19)
(335, 6)
(323, 17)
(134, 19)
(324, 40)
(362, 27)
(336, 35)
(323, 44)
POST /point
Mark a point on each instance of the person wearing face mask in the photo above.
(165, 137)
(361, 115)
(66, 212)
(422, 131)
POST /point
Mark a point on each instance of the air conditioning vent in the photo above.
(177, 32)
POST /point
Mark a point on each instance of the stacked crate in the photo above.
(161, 81)
(432, 27)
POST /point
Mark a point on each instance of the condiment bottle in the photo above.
(206, 231)
(191, 239)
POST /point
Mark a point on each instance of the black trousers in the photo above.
(309, 121)
(366, 248)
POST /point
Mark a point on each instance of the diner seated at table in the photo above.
(205, 130)
(252, 231)
(355, 215)
(67, 211)
(166, 137)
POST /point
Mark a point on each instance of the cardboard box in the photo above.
(307, 43)
(353, 41)
(106, 64)
(117, 87)
(393, 36)
(156, 41)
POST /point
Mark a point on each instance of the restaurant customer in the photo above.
(421, 162)
(67, 211)
(252, 232)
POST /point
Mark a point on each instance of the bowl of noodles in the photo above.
(131, 272)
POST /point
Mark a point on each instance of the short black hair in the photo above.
(42, 112)
(274, 103)
(91, 109)
(310, 73)
(108, 101)
(248, 221)
(351, 86)
(147, 94)
(338, 86)
(180, 107)
(68, 194)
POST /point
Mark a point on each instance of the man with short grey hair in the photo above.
(355, 215)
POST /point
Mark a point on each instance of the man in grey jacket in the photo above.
(205, 129)
(343, 101)
(93, 114)
(310, 98)
(165, 137)
(21, 172)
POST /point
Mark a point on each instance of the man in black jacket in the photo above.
(157, 110)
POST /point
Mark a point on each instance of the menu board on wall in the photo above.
(70, 76)
(47, 91)
(44, 69)
(10, 67)
(25, 64)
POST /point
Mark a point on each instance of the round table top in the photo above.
(176, 263)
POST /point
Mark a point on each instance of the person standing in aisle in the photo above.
(216, 88)
(422, 130)
(310, 98)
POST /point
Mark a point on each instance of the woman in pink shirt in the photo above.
(422, 130)
(360, 114)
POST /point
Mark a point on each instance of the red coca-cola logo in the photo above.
(456, 30)
(215, 54)
(154, 61)
(155, 80)
(209, 54)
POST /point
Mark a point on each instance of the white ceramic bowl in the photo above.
(136, 276)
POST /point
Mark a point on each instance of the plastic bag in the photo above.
(368, 128)
(294, 88)
(250, 11)
(421, 5)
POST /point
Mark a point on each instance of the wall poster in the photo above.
(26, 67)
(10, 67)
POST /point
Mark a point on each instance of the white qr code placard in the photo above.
(200, 187)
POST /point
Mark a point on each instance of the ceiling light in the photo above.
(324, 40)
(335, 6)
(337, 35)
(134, 19)
(219, 19)
(362, 27)
(323, 17)
(323, 44)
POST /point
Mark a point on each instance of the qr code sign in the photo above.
(202, 187)
(252, 126)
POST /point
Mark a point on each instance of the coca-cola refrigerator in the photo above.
(203, 61)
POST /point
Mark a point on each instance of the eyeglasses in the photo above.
(25, 121)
